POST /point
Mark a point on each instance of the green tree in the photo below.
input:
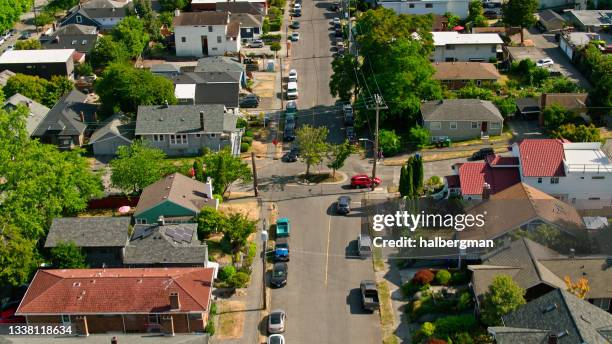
(10, 11)
(506, 105)
(560, 85)
(28, 44)
(171, 5)
(62, 4)
(338, 154)
(313, 145)
(137, 166)
(18, 256)
(428, 329)
(577, 133)
(57, 87)
(404, 182)
(106, 52)
(30, 86)
(389, 142)
(275, 47)
(343, 81)
(209, 221)
(417, 174)
(555, 115)
(476, 14)
(67, 255)
(471, 91)
(131, 33)
(225, 169)
(409, 179)
(419, 136)
(452, 19)
(83, 69)
(198, 170)
(502, 297)
(237, 228)
(123, 88)
(520, 13)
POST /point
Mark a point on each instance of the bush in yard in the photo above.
(423, 276)
(247, 139)
(409, 288)
(460, 277)
(463, 338)
(465, 301)
(213, 309)
(242, 123)
(210, 327)
(449, 325)
(240, 280)
(428, 329)
(227, 273)
(248, 133)
(251, 253)
(244, 147)
(419, 136)
(443, 277)
(389, 142)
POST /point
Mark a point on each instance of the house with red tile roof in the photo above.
(578, 173)
(163, 300)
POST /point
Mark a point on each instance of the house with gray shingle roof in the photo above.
(36, 111)
(101, 238)
(461, 119)
(170, 244)
(114, 132)
(103, 14)
(81, 38)
(556, 317)
(183, 130)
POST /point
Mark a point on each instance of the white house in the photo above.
(450, 46)
(577, 173)
(440, 7)
(572, 41)
(205, 34)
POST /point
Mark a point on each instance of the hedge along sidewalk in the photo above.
(429, 156)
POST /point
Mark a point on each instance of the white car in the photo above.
(295, 36)
(336, 21)
(545, 63)
(293, 75)
(292, 90)
(297, 7)
(276, 339)
(10, 47)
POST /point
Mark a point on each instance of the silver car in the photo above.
(276, 321)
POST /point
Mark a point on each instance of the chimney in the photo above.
(486, 191)
(202, 120)
(82, 115)
(177, 12)
(552, 339)
(175, 303)
(161, 221)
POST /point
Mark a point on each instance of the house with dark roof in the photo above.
(461, 119)
(576, 102)
(556, 317)
(102, 239)
(239, 7)
(214, 80)
(114, 132)
(36, 111)
(497, 172)
(250, 25)
(528, 107)
(205, 34)
(165, 244)
(81, 38)
(551, 21)
(176, 198)
(103, 14)
(181, 130)
(137, 300)
(455, 75)
(69, 122)
(43, 63)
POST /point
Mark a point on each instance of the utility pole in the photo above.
(281, 86)
(378, 107)
(264, 239)
(254, 174)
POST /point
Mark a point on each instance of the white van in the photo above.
(292, 90)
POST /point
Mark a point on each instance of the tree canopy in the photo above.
(131, 33)
(313, 144)
(10, 11)
(224, 169)
(28, 44)
(67, 255)
(338, 154)
(502, 297)
(137, 166)
(476, 14)
(343, 82)
(519, 13)
(46, 92)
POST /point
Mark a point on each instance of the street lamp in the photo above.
(264, 238)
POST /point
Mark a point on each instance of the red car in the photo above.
(7, 314)
(364, 181)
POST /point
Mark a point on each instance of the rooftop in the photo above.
(37, 111)
(465, 71)
(201, 18)
(37, 56)
(541, 158)
(185, 91)
(104, 291)
(452, 37)
(172, 119)
(89, 231)
(593, 17)
(586, 157)
(65, 116)
(116, 125)
(460, 110)
(473, 175)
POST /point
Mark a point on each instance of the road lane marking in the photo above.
(327, 252)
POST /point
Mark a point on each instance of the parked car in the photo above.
(482, 154)
(295, 25)
(369, 295)
(7, 313)
(293, 76)
(297, 13)
(334, 7)
(545, 63)
(279, 275)
(350, 134)
(291, 107)
(336, 21)
(340, 48)
(256, 43)
(276, 321)
(250, 101)
(292, 90)
(289, 133)
(295, 36)
(283, 227)
(26, 35)
(290, 119)
(343, 205)
(2, 40)
(292, 155)
(10, 47)
(276, 339)
(297, 6)
(364, 246)
(364, 181)
(281, 250)
(349, 118)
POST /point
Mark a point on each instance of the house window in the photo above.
(158, 138)
(493, 49)
(554, 180)
(435, 125)
(495, 125)
(84, 42)
(153, 319)
(474, 125)
(540, 180)
(215, 48)
(183, 39)
(212, 136)
(453, 125)
(210, 28)
(65, 318)
(180, 139)
(198, 135)
(219, 39)
(411, 6)
(79, 19)
(195, 316)
(478, 82)
(428, 5)
(74, 41)
(450, 47)
(598, 177)
(602, 303)
(141, 221)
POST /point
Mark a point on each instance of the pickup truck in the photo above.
(369, 295)
(282, 227)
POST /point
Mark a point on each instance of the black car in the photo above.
(349, 119)
(279, 275)
(482, 154)
(350, 134)
(295, 25)
(249, 101)
(343, 206)
(292, 155)
(334, 7)
(289, 133)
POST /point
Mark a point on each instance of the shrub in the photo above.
(244, 147)
(251, 252)
(389, 142)
(409, 288)
(428, 329)
(227, 273)
(210, 327)
(242, 123)
(463, 338)
(248, 133)
(240, 279)
(213, 309)
(443, 277)
(423, 276)
(419, 136)
(247, 139)
(460, 277)
(465, 301)
(435, 341)
(449, 325)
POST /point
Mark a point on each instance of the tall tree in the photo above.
(409, 182)
(338, 154)
(46, 92)
(520, 13)
(417, 174)
(502, 297)
(171, 5)
(131, 33)
(210, 221)
(67, 255)
(403, 184)
(18, 256)
(106, 52)
(313, 144)
(343, 82)
(137, 166)
(476, 14)
(237, 228)
(224, 169)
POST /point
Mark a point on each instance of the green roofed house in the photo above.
(175, 197)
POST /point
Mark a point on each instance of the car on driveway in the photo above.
(292, 155)
(545, 62)
(250, 101)
(256, 43)
(295, 36)
(276, 339)
(279, 275)
(343, 205)
(293, 76)
(295, 25)
(482, 154)
(364, 181)
(276, 321)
